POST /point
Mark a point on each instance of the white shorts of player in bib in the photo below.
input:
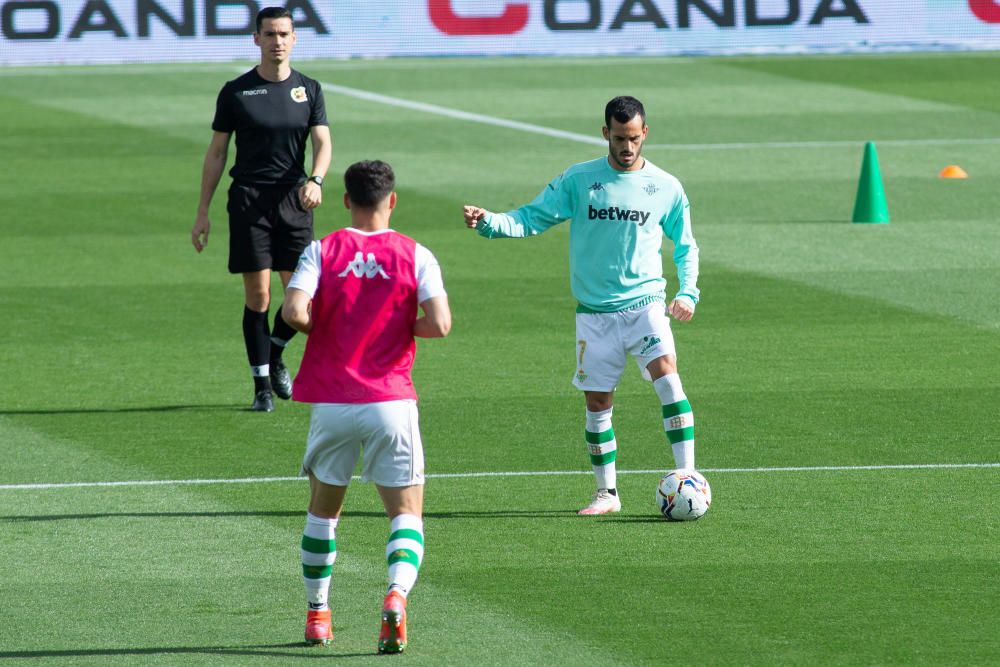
(604, 341)
(385, 435)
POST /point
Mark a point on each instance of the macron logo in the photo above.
(615, 213)
(364, 268)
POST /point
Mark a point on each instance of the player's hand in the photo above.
(473, 214)
(310, 195)
(199, 233)
(680, 310)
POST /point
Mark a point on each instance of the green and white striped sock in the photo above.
(404, 552)
(603, 447)
(678, 420)
(319, 551)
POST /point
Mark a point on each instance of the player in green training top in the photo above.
(620, 206)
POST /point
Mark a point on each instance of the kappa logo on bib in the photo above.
(299, 94)
(363, 267)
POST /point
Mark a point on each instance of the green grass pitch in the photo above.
(818, 343)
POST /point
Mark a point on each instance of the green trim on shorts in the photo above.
(641, 303)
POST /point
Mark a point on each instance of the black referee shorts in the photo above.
(268, 228)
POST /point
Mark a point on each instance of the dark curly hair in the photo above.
(369, 182)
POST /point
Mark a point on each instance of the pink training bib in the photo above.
(361, 346)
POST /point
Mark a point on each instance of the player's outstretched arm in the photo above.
(296, 310)
(436, 320)
(472, 214)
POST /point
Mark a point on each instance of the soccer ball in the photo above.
(683, 495)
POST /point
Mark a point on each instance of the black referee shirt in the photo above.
(271, 122)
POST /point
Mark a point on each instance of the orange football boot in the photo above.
(319, 629)
(392, 638)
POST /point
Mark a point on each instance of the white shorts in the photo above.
(387, 433)
(604, 341)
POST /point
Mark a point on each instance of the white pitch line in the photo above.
(823, 144)
(462, 115)
(470, 475)
(438, 110)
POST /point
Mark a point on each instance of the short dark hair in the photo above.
(273, 13)
(623, 109)
(369, 182)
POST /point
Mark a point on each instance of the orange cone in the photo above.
(953, 171)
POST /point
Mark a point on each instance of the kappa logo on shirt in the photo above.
(364, 267)
(298, 94)
(597, 186)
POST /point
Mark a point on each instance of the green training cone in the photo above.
(870, 205)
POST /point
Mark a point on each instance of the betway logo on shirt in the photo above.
(363, 267)
(615, 213)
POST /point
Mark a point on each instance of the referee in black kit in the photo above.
(272, 109)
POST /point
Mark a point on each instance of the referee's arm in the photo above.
(211, 172)
(311, 194)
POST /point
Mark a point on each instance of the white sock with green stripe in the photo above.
(404, 552)
(319, 550)
(678, 420)
(603, 447)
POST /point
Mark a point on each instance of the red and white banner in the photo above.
(106, 31)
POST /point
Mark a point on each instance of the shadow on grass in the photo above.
(145, 515)
(112, 411)
(263, 650)
(498, 514)
(637, 519)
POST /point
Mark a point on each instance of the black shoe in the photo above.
(262, 401)
(281, 381)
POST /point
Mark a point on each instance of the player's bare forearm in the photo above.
(436, 320)
(297, 311)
